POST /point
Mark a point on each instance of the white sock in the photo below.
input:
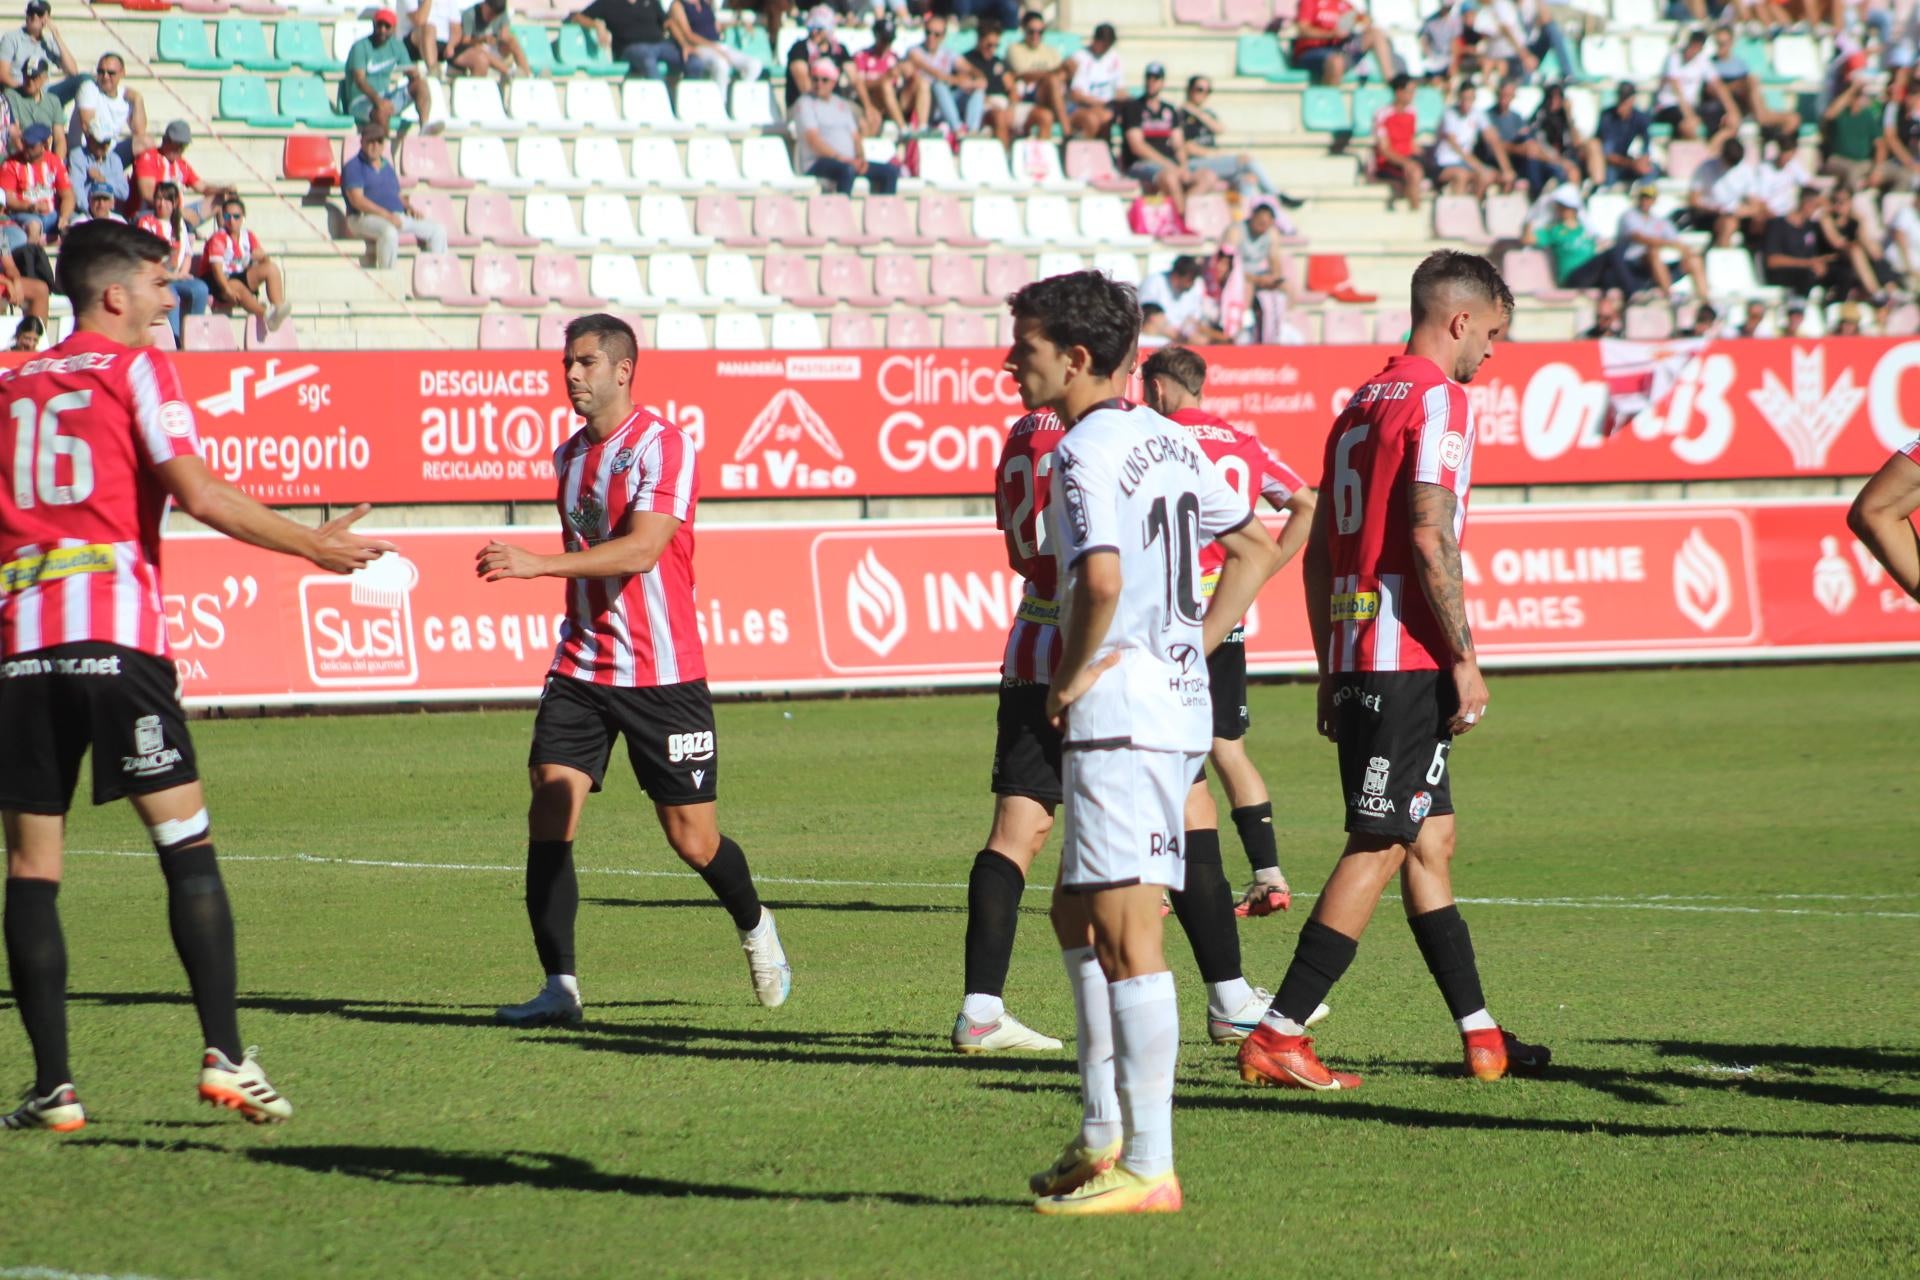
(1282, 1023)
(1224, 999)
(983, 1009)
(759, 930)
(1093, 1037)
(1146, 1047)
(1481, 1021)
(564, 982)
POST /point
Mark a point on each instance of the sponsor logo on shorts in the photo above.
(61, 666)
(151, 755)
(699, 776)
(1161, 845)
(1420, 806)
(1375, 783)
(690, 746)
(1354, 693)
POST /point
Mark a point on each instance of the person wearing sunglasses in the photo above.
(108, 97)
(1202, 129)
(239, 270)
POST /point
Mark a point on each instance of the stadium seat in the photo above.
(1903, 321)
(183, 41)
(1392, 325)
(160, 337)
(535, 104)
(663, 220)
(966, 329)
(675, 278)
(896, 278)
(1035, 165)
(797, 331)
(347, 33)
(541, 164)
(766, 162)
(1235, 14)
(255, 336)
(309, 100)
(1647, 56)
(475, 103)
(645, 105)
(242, 42)
(608, 219)
(786, 276)
(1209, 216)
(1758, 56)
(439, 277)
(427, 159)
(888, 218)
(755, 43)
(1429, 104)
(1325, 109)
(207, 332)
(1057, 263)
(1329, 273)
(437, 206)
(1195, 13)
(301, 43)
(780, 220)
(1124, 267)
(1506, 215)
(537, 43)
(579, 52)
(1604, 211)
(490, 219)
(1261, 57)
(593, 108)
(935, 165)
(551, 335)
(735, 331)
(941, 219)
(1635, 15)
(853, 331)
(245, 98)
(830, 218)
(496, 278)
(1007, 273)
(711, 162)
(484, 160)
(680, 331)
(1583, 107)
(722, 218)
(600, 163)
(731, 279)
(996, 220)
(1457, 217)
(1730, 274)
(1684, 158)
(616, 276)
(956, 278)
(656, 162)
(549, 217)
(1091, 161)
(556, 278)
(1367, 101)
(1529, 273)
(1651, 322)
(309, 157)
(1606, 58)
(502, 332)
(983, 163)
(846, 277)
(1050, 220)
(750, 103)
(1345, 327)
(1103, 220)
(700, 104)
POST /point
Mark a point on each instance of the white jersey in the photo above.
(1134, 483)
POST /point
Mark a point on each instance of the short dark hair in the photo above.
(1733, 151)
(1033, 15)
(105, 58)
(987, 26)
(1182, 365)
(234, 202)
(99, 254)
(615, 335)
(1184, 265)
(1400, 82)
(1084, 309)
(1449, 269)
(30, 324)
(1148, 310)
(1106, 32)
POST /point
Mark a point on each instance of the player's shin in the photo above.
(732, 883)
(1319, 959)
(1447, 947)
(1205, 912)
(201, 922)
(1093, 1038)
(553, 900)
(37, 968)
(1146, 1043)
(994, 888)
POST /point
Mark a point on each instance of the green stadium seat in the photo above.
(301, 42)
(753, 42)
(247, 99)
(1325, 109)
(1429, 104)
(1065, 41)
(243, 42)
(1259, 56)
(1759, 59)
(962, 42)
(538, 45)
(184, 41)
(1367, 102)
(581, 52)
(309, 100)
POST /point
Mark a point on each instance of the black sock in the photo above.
(1254, 822)
(994, 887)
(1205, 910)
(37, 965)
(202, 926)
(732, 883)
(553, 900)
(1448, 949)
(1319, 958)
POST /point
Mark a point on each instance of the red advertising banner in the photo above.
(906, 604)
(422, 427)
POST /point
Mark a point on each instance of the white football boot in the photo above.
(244, 1088)
(1004, 1035)
(767, 962)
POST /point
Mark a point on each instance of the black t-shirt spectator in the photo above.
(994, 69)
(630, 21)
(804, 52)
(1196, 129)
(1158, 126)
(1795, 242)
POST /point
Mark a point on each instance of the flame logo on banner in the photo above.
(1810, 419)
(876, 609)
(1702, 587)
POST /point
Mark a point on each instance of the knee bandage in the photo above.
(176, 834)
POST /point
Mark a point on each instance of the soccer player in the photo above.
(1135, 501)
(629, 664)
(101, 439)
(1026, 748)
(1399, 677)
(1882, 517)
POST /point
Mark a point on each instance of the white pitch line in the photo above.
(1654, 903)
(51, 1273)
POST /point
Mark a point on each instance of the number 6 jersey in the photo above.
(1130, 482)
(83, 431)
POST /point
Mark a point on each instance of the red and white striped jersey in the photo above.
(634, 630)
(83, 431)
(1409, 423)
(1021, 484)
(1912, 450)
(1248, 466)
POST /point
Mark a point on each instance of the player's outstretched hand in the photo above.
(1060, 697)
(499, 560)
(1472, 688)
(337, 549)
(1324, 709)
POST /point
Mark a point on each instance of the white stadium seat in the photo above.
(751, 104)
(607, 219)
(616, 276)
(701, 105)
(675, 278)
(535, 103)
(656, 163)
(598, 162)
(797, 331)
(1103, 220)
(730, 279)
(737, 331)
(1059, 264)
(711, 162)
(996, 219)
(766, 162)
(591, 105)
(550, 218)
(663, 220)
(680, 331)
(484, 159)
(542, 163)
(645, 105)
(476, 103)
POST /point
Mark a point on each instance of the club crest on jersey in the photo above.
(1375, 783)
(1420, 806)
(1453, 450)
(622, 462)
(586, 515)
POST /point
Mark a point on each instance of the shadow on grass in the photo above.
(413, 1012)
(886, 908)
(1642, 1088)
(1785, 1057)
(539, 1170)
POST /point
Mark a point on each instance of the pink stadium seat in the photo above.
(831, 218)
(1506, 215)
(1651, 323)
(844, 277)
(437, 206)
(1196, 13)
(1684, 157)
(162, 337)
(852, 331)
(1092, 163)
(781, 221)
(890, 218)
(207, 332)
(496, 278)
(1295, 267)
(896, 279)
(1208, 216)
(556, 278)
(501, 331)
(1007, 273)
(1392, 326)
(1529, 274)
(909, 329)
(722, 218)
(439, 276)
(424, 159)
(785, 275)
(1904, 321)
(1458, 218)
(490, 218)
(1245, 13)
(285, 338)
(942, 218)
(956, 278)
(967, 329)
(1346, 327)
(552, 334)
(1286, 10)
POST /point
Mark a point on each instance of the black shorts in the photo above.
(1227, 678)
(1026, 749)
(55, 703)
(1394, 742)
(668, 728)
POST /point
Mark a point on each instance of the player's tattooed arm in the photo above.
(1436, 557)
(1881, 517)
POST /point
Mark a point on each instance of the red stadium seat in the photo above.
(896, 278)
(1329, 273)
(852, 331)
(490, 218)
(309, 157)
(831, 218)
(909, 329)
(967, 329)
(496, 278)
(722, 218)
(942, 219)
(781, 221)
(956, 277)
(556, 278)
(889, 218)
(501, 331)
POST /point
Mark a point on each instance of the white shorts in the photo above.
(1126, 817)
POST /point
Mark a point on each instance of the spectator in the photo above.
(27, 334)
(1705, 322)
(1153, 325)
(1734, 201)
(1856, 269)
(698, 29)
(32, 104)
(1900, 130)
(239, 270)
(1565, 147)
(382, 78)
(99, 208)
(1744, 89)
(950, 94)
(98, 164)
(1396, 157)
(636, 32)
(1609, 317)
(1464, 128)
(1177, 291)
(1518, 34)
(1442, 44)
(167, 221)
(1041, 74)
(1796, 258)
(38, 192)
(1754, 324)
(1903, 246)
(1646, 242)
(1004, 12)
(1626, 139)
(819, 43)
(24, 291)
(1331, 35)
(1851, 135)
(882, 79)
(377, 213)
(1229, 311)
(486, 43)
(1793, 317)
(1537, 165)
(996, 82)
(108, 97)
(39, 41)
(827, 138)
(1094, 81)
(168, 163)
(1152, 147)
(1256, 243)
(1571, 244)
(1847, 321)
(429, 34)
(1201, 128)
(1692, 100)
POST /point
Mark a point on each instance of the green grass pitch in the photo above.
(1701, 888)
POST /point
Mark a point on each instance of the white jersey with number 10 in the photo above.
(1131, 482)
